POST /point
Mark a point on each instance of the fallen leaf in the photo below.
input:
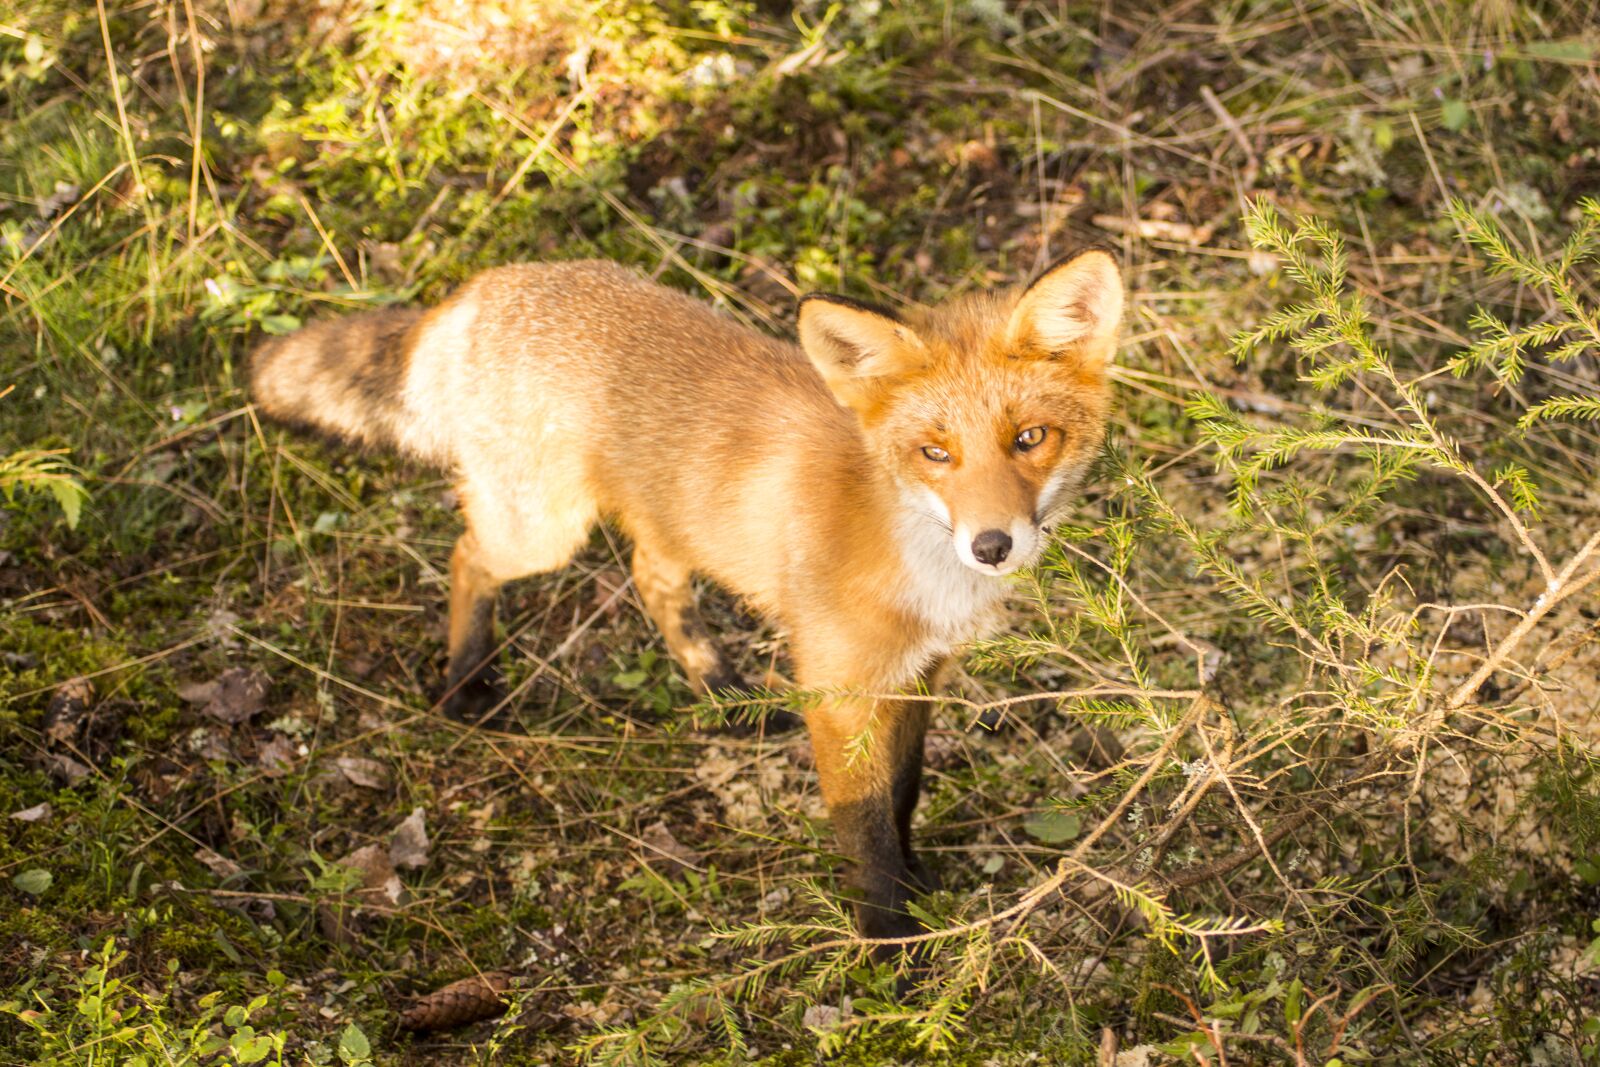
(237, 695)
(33, 881)
(409, 846)
(661, 849)
(1053, 827)
(380, 884)
(218, 864)
(821, 1017)
(37, 813)
(386, 260)
(608, 586)
(368, 773)
(276, 757)
(65, 768)
(68, 705)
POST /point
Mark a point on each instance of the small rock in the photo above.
(409, 846)
(205, 743)
(65, 194)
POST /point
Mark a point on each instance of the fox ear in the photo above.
(1073, 310)
(856, 347)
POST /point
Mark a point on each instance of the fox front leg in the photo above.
(862, 751)
(664, 586)
(906, 788)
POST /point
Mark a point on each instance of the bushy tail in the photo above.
(345, 377)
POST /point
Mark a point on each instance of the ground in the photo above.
(1229, 788)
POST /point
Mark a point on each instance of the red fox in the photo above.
(866, 490)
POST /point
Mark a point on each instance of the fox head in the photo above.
(986, 410)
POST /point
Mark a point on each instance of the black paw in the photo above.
(922, 877)
(723, 680)
(880, 924)
(471, 700)
(781, 721)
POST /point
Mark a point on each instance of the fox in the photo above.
(867, 489)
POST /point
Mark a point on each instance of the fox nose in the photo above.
(991, 546)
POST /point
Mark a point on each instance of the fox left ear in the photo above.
(856, 347)
(1073, 309)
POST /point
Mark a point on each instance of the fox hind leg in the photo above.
(499, 545)
(471, 684)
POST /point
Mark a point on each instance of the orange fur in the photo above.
(865, 489)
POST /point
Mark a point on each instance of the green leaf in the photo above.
(1455, 114)
(280, 324)
(1053, 827)
(33, 881)
(1571, 49)
(630, 679)
(69, 496)
(354, 1046)
(251, 1048)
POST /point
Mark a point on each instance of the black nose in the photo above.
(991, 546)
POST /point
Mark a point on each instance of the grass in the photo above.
(1357, 826)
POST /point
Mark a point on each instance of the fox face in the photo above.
(986, 411)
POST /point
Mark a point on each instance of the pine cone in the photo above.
(458, 1003)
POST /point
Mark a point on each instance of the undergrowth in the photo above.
(1288, 753)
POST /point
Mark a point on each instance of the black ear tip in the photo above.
(1097, 249)
(850, 302)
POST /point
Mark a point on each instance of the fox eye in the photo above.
(935, 453)
(1029, 438)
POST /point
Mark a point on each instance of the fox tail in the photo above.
(347, 378)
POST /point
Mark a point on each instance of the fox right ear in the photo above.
(856, 347)
(1072, 310)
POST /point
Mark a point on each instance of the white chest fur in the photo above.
(954, 602)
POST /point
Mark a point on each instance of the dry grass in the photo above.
(1197, 827)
